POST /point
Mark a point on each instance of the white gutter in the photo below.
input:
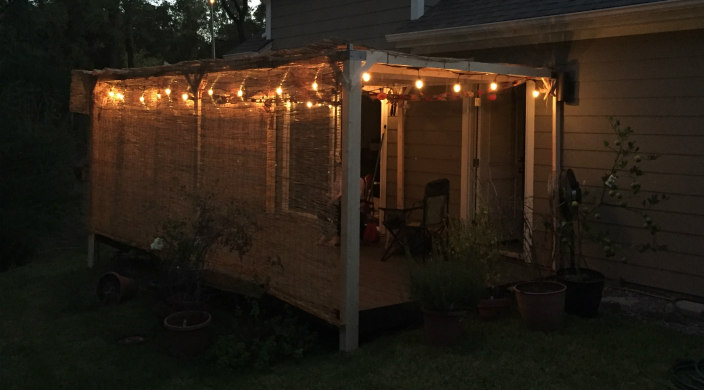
(673, 15)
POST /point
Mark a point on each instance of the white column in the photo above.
(465, 159)
(349, 243)
(529, 170)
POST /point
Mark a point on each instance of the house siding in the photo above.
(652, 83)
(296, 23)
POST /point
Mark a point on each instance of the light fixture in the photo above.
(141, 99)
(419, 82)
(366, 77)
(111, 94)
(279, 91)
(309, 104)
(493, 86)
(158, 95)
(457, 87)
(120, 96)
(210, 92)
(315, 85)
(184, 96)
(536, 93)
(168, 91)
(240, 92)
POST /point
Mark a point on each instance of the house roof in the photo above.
(250, 46)
(452, 26)
(458, 13)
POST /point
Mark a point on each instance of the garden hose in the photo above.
(688, 374)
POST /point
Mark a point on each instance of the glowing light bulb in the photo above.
(279, 91)
(419, 83)
(120, 96)
(168, 91)
(309, 104)
(210, 92)
(184, 96)
(158, 95)
(493, 86)
(457, 87)
(112, 94)
(141, 99)
(315, 86)
(536, 93)
(366, 77)
(240, 93)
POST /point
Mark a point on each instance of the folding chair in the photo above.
(416, 237)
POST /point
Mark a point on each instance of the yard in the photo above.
(56, 334)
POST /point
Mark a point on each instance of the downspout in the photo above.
(557, 130)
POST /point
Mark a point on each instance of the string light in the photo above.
(419, 82)
(315, 85)
(111, 94)
(141, 99)
(184, 96)
(309, 104)
(240, 93)
(536, 93)
(279, 91)
(457, 87)
(366, 77)
(158, 95)
(493, 86)
(210, 92)
(168, 91)
(120, 96)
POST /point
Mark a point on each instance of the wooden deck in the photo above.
(289, 264)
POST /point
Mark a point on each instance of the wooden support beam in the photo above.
(349, 243)
(529, 171)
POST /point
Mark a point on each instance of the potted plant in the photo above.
(477, 241)
(581, 213)
(447, 286)
(184, 244)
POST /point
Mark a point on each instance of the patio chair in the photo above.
(416, 236)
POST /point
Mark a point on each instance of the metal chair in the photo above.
(416, 237)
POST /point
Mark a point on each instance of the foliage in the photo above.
(185, 243)
(620, 188)
(463, 263)
(476, 242)
(262, 333)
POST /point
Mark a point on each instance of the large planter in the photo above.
(187, 332)
(584, 289)
(541, 304)
(443, 327)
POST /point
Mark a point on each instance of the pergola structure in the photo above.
(392, 77)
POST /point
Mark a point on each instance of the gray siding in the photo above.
(296, 23)
(654, 84)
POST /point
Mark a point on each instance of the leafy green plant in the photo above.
(185, 243)
(463, 264)
(620, 188)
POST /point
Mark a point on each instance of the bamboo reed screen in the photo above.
(277, 153)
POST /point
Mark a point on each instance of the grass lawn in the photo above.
(56, 334)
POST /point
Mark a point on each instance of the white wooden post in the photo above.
(529, 170)
(400, 155)
(349, 243)
(465, 159)
(384, 136)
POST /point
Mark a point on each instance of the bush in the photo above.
(263, 332)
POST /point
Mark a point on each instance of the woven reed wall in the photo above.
(276, 154)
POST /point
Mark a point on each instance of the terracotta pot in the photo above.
(188, 333)
(541, 304)
(114, 288)
(443, 328)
